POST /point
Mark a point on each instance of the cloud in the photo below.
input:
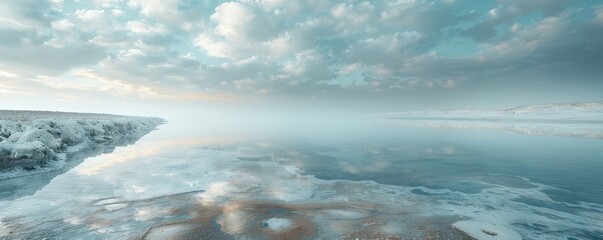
(62, 25)
(306, 48)
(389, 49)
(9, 87)
(241, 24)
(598, 11)
(26, 13)
(47, 59)
(90, 15)
(509, 11)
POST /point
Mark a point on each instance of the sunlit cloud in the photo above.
(12, 87)
(84, 79)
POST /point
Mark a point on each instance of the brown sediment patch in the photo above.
(190, 219)
(98, 222)
(203, 222)
(440, 230)
(357, 220)
(201, 226)
(370, 228)
(430, 232)
(361, 235)
(372, 221)
(297, 207)
(371, 233)
(176, 216)
(256, 212)
(168, 231)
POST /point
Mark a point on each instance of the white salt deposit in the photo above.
(113, 207)
(29, 140)
(486, 231)
(344, 214)
(4, 230)
(279, 224)
(107, 201)
(567, 112)
(571, 120)
(168, 232)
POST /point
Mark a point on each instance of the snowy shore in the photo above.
(583, 120)
(30, 140)
(588, 112)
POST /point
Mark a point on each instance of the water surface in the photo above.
(355, 180)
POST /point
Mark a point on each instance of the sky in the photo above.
(149, 56)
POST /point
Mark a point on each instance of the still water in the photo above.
(362, 180)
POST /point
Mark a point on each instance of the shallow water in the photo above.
(357, 180)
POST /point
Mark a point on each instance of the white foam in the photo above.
(74, 220)
(343, 214)
(4, 230)
(113, 207)
(279, 224)
(168, 232)
(487, 231)
(108, 201)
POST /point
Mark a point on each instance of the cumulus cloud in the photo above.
(309, 47)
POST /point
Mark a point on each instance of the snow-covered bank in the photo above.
(30, 140)
(561, 129)
(583, 120)
(588, 112)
